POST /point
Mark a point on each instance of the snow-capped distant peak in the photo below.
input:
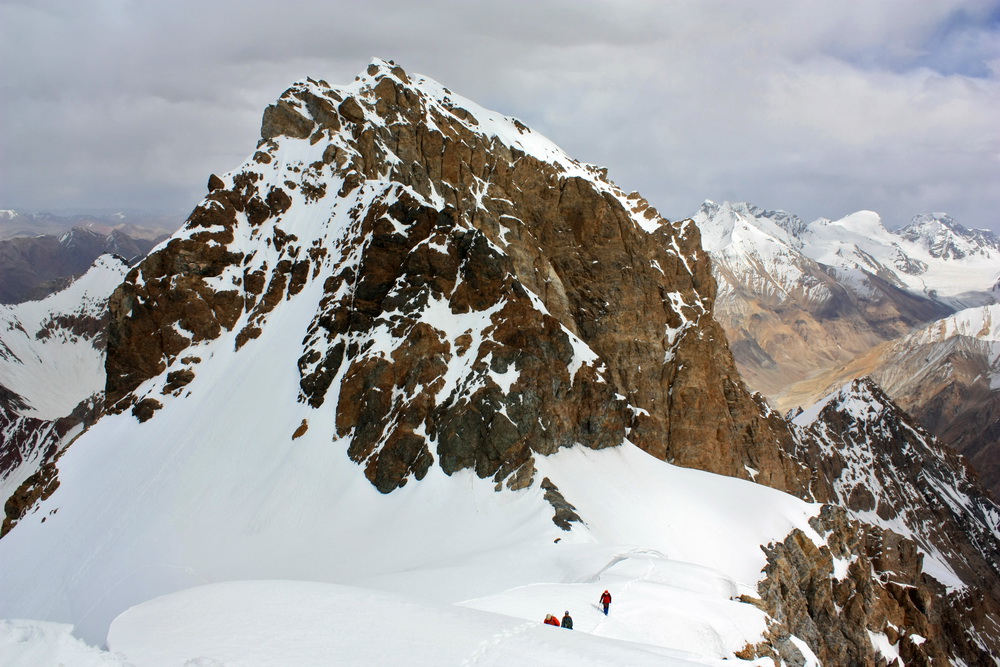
(718, 222)
(934, 257)
(861, 398)
(942, 237)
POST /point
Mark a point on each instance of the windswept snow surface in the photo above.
(40, 644)
(53, 372)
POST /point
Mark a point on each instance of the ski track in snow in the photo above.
(491, 644)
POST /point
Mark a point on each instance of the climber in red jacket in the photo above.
(606, 601)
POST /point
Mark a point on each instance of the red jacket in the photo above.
(551, 620)
(605, 598)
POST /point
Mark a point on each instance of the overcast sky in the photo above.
(817, 108)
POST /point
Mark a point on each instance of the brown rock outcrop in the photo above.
(165, 304)
(865, 582)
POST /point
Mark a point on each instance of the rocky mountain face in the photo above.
(869, 449)
(33, 267)
(483, 296)
(51, 380)
(865, 595)
(461, 295)
(925, 558)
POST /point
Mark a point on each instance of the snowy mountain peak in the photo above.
(933, 258)
(723, 224)
(386, 94)
(460, 295)
(861, 398)
(942, 237)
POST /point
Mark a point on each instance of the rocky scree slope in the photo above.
(483, 296)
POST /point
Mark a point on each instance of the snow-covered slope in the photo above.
(52, 351)
(51, 370)
(154, 527)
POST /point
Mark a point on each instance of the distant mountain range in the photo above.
(809, 306)
(31, 267)
(136, 224)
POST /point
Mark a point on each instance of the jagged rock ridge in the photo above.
(889, 472)
(904, 566)
(947, 376)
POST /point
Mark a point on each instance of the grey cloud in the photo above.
(811, 107)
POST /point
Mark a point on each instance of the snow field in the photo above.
(34, 643)
(213, 489)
